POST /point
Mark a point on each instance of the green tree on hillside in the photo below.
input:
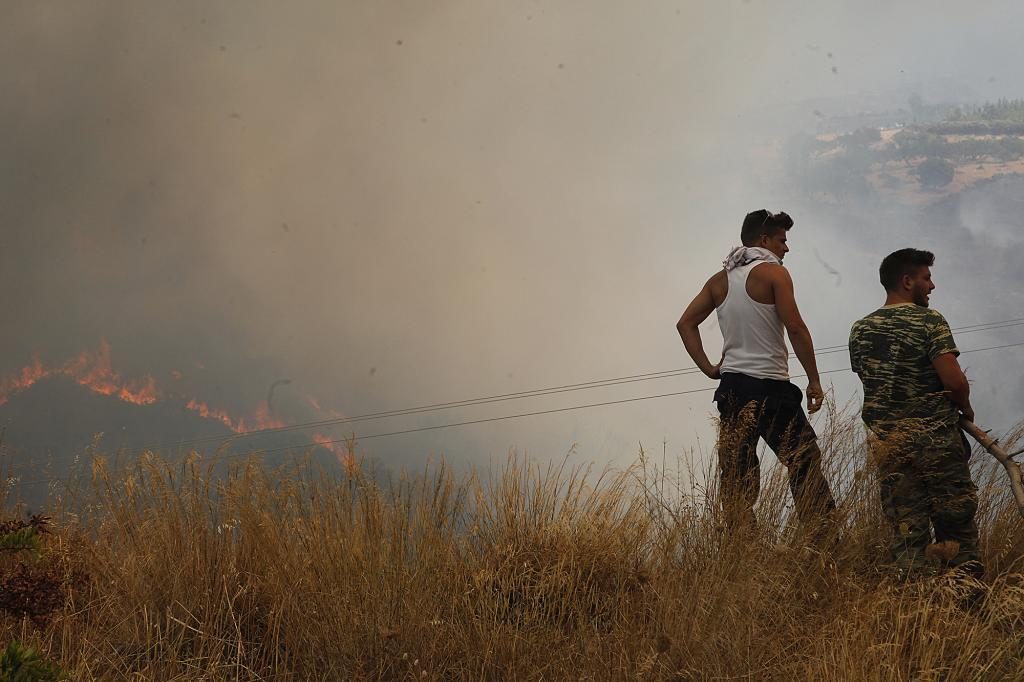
(916, 104)
(935, 173)
(1002, 110)
(910, 144)
(862, 137)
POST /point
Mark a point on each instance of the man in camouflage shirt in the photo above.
(914, 395)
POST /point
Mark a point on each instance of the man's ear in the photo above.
(907, 282)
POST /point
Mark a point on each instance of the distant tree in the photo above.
(935, 173)
(1008, 149)
(1001, 111)
(909, 144)
(905, 145)
(862, 137)
(916, 104)
(797, 153)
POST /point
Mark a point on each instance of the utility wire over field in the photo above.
(582, 407)
(599, 383)
(533, 393)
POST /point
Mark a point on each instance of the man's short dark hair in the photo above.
(903, 262)
(763, 222)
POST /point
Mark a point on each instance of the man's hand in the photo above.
(954, 381)
(815, 396)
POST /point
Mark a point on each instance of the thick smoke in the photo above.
(394, 203)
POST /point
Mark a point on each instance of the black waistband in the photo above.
(751, 388)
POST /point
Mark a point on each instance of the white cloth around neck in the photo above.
(742, 255)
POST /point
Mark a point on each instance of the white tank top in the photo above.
(755, 344)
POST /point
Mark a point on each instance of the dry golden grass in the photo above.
(539, 572)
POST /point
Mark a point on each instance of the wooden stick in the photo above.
(996, 450)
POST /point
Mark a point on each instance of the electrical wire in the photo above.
(488, 419)
(571, 408)
(534, 393)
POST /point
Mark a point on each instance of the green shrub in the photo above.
(935, 173)
(20, 663)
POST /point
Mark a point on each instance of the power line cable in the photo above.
(574, 407)
(490, 419)
(534, 393)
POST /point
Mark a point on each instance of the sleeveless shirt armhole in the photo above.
(728, 290)
(747, 279)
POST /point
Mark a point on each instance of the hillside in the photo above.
(52, 428)
(912, 164)
(536, 572)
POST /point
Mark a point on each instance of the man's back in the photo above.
(754, 342)
(892, 350)
(758, 285)
(764, 240)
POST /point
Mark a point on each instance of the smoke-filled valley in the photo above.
(340, 337)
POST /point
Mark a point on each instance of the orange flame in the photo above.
(264, 420)
(207, 412)
(94, 370)
(144, 394)
(347, 460)
(22, 379)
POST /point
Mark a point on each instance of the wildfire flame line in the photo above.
(94, 371)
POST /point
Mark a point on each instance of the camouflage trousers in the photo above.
(926, 487)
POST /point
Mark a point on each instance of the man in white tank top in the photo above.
(753, 295)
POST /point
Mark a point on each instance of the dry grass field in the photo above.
(534, 572)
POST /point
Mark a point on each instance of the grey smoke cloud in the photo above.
(397, 203)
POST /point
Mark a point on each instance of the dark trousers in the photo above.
(752, 409)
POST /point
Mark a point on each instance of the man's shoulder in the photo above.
(885, 322)
(770, 272)
(898, 316)
(864, 321)
(717, 281)
(872, 320)
(718, 286)
(769, 268)
(917, 317)
(933, 317)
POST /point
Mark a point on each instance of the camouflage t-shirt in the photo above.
(892, 351)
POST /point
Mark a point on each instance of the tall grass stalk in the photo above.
(538, 571)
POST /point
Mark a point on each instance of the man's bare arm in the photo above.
(799, 334)
(698, 310)
(955, 382)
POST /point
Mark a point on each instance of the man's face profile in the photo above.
(776, 243)
(921, 285)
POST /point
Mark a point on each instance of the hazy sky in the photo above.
(397, 203)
